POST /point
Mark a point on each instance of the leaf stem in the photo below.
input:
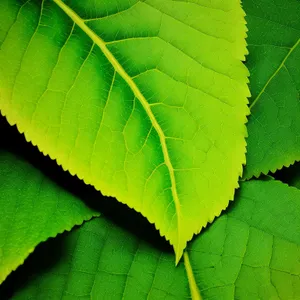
(195, 293)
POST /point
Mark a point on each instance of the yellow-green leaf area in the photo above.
(145, 100)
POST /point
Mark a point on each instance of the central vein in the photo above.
(275, 73)
(119, 69)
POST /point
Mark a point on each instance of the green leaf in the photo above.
(101, 260)
(33, 207)
(145, 100)
(251, 252)
(274, 47)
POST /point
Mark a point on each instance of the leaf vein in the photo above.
(275, 73)
(27, 47)
(112, 14)
(101, 44)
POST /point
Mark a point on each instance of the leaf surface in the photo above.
(251, 252)
(274, 64)
(145, 100)
(33, 208)
(101, 260)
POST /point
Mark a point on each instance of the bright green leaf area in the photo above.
(33, 208)
(274, 64)
(145, 100)
(250, 252)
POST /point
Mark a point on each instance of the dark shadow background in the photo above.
(289, 175)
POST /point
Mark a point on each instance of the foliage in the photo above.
(136, 103)
(146, 102)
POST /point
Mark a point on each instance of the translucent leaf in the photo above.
(145, 100)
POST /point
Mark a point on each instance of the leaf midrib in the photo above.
(120, 70)
(275, 73)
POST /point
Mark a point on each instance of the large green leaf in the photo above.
(274, 64)
(250, 252)
(32, 207)
(145, 100)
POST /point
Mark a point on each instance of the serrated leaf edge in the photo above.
(116, 65)
(21, 261)
(287, 162)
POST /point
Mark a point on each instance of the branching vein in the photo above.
(120, 70)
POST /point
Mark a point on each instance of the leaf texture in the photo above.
(103, 261)
(251, 252)
(274, 46)
(33, 208)
(145, 100)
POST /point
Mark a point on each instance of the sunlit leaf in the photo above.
(145, 100)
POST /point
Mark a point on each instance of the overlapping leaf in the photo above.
(253, 251)
(33, 208)
(103, 261)
(274, 64)
(248, 253)
(145, 100)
